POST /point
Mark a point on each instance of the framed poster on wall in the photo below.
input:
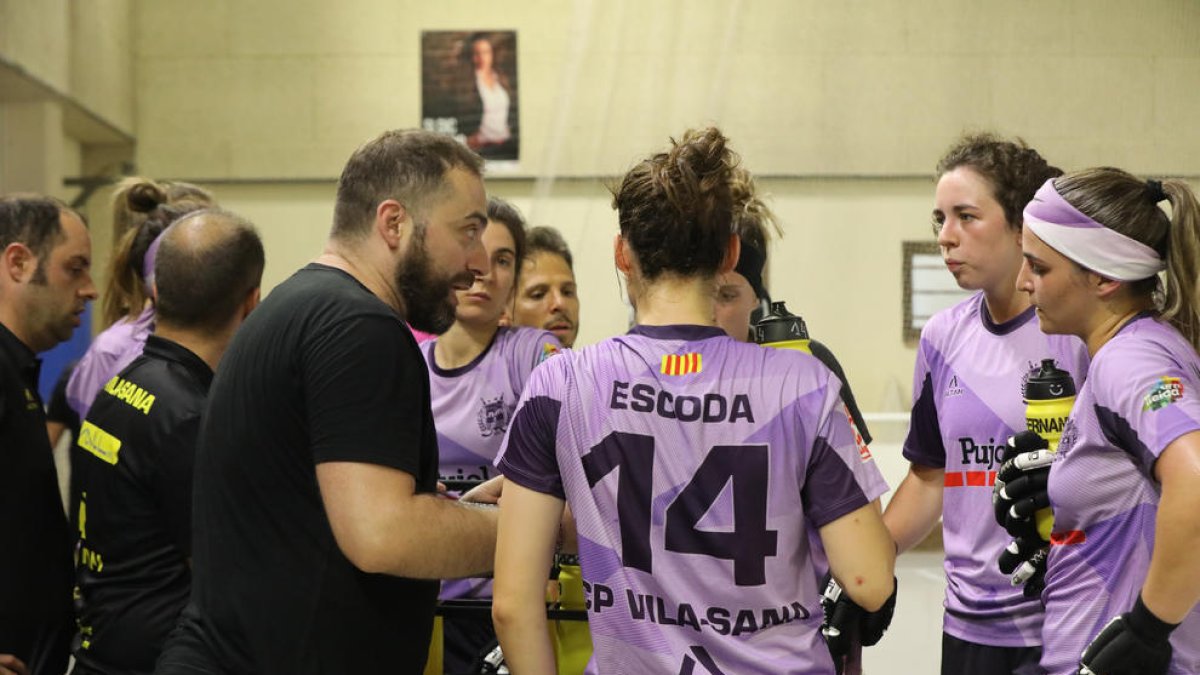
(928, 287)
(469, 89)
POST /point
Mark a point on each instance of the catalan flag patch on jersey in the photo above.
(681, 364)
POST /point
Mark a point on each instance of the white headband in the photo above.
(1104, 251)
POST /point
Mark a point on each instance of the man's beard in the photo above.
(426, 295)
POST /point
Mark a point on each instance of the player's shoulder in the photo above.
(521, 339)
(953, 322)
(1145, 346)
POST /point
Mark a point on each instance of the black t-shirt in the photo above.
(35, 543)
(135, 526)
(322, 371)
(58, 409)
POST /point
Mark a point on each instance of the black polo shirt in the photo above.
(135, 482)
(35, 563)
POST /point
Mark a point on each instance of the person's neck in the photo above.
(1108, 321)
(462, 344)
(1006, 303)
(672, 301)
(210, 347)
(13, 319)
(352, 261)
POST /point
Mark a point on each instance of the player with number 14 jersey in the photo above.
(715, 457)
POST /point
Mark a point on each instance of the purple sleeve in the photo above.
(924, 442)
(1144, 402)
(528, 455)
(535, 347)
(830, 487)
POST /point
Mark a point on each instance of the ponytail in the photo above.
(1181, 298)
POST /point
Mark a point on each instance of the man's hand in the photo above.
(1135, 643)
(1020, 490)
(11, 665)
(487, 492)
(845, 622)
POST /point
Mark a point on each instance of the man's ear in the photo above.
(18, 262)
(251, 301)
(391, 220)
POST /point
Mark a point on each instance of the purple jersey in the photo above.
(113, 349)
(966, 403)
(695, 466)
(472, 406)
(1140, 394)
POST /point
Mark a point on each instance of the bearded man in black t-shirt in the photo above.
(45, 284)
(318, 531)
(137, 445)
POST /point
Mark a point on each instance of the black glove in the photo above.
(1020, 489)
(1135, 643)
(845, 621)
(1025, 560)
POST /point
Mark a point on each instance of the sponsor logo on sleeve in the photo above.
(681, 364)
(548, 350)
(1163, 393)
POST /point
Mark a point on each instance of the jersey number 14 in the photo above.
(746, 466)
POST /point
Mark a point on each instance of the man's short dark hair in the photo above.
(203, 279)
(542, 239)
(409, 166)
(35, 221)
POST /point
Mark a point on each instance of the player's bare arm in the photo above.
(529, 525)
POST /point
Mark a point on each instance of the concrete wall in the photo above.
(842, 107)
(805, 86)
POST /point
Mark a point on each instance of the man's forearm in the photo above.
(439, 538)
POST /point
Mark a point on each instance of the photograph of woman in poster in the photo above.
(469, 89)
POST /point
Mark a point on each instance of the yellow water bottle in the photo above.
(1049, 395)
(782, 329)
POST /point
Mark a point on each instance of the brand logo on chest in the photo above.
(953, 389)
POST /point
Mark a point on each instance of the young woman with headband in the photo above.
(641, 433)
(1123, 574)
(967, 400)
